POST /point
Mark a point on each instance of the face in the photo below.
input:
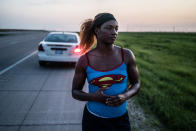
(108, 32)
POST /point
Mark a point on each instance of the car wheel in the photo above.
(42, 63)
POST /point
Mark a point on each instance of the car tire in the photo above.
(42, 63)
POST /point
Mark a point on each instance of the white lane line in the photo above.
(18, 62)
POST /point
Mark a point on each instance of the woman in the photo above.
(107, 68)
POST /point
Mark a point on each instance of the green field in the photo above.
(167, 66)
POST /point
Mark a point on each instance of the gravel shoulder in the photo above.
(141, 120)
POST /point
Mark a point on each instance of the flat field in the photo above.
(167, 66)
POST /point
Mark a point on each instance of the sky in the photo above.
(69, 14)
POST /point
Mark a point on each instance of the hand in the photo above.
(100, 96)
(116, 100)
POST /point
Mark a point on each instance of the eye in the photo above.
(109, 27)
(116, 28)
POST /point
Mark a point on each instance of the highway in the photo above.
(34, 98)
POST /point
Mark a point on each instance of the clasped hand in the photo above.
(116, 100)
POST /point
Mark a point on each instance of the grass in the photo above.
(167, 66)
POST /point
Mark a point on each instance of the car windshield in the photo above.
(61, 38)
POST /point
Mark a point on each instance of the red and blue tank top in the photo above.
(115, 80)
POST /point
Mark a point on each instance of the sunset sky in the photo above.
(69, 14)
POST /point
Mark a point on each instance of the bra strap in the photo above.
(122, 51)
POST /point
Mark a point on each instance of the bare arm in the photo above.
(79, 81)
(133, 77)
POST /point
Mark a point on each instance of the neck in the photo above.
(105, 48)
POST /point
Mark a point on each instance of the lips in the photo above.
(113, 38)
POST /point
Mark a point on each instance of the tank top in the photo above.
(115, 80)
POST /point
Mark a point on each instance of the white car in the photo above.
(59, 47)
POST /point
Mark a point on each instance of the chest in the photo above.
(105, 62)
(110, 80)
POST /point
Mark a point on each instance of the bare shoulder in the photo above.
(117, 47)
(129, 56)
(82, 63)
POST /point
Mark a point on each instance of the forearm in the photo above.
(133, 90)
(82, 96)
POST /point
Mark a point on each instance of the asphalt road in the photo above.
(34, 98)
(18, 44)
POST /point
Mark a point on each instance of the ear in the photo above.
(96, 30)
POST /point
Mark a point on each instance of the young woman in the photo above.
(107, 68)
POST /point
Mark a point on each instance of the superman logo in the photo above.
(107, 80)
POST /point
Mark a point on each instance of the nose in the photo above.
(114, 32)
